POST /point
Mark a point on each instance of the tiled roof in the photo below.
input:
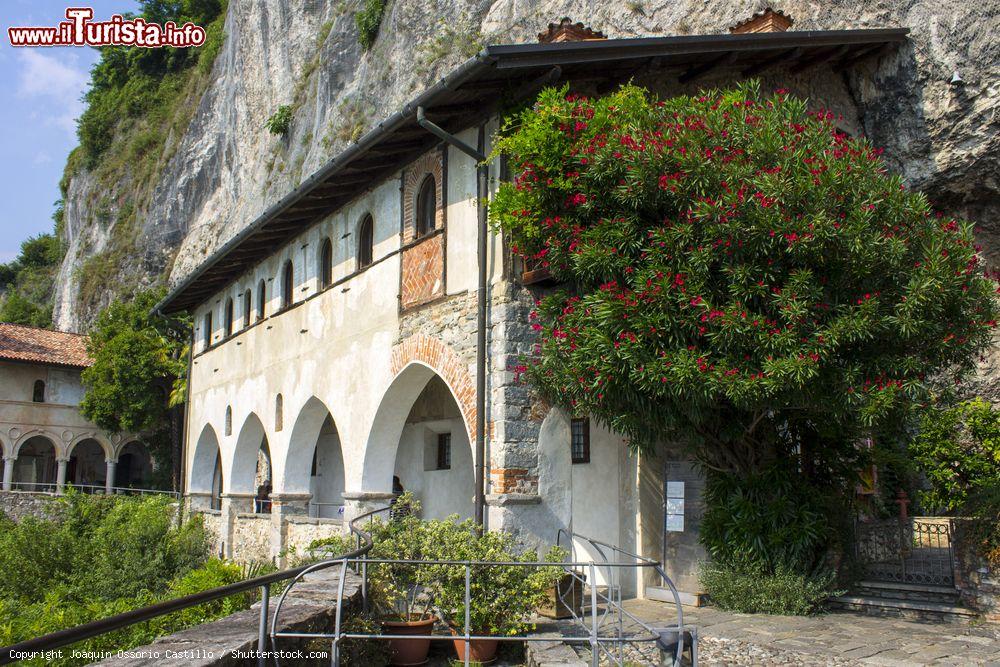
(61, 348)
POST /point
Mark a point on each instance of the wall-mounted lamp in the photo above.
(956, 79)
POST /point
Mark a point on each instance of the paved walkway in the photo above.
(837, 638)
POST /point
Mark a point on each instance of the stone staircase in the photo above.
(940, 604)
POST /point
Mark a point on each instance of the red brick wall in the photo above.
(422, 272)
(422, 265)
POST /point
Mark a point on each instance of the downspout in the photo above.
(482, 192)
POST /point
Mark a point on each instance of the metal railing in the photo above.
(102, 626)
(671, 639)
(52, 488)
(317, 510)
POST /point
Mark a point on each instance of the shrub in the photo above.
(368, 21)
(958, 451)
(751, 590)
(774, 520)
(280, 121)
(102, 556)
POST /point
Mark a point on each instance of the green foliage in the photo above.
(280, 121)
(102, 556)
(754, 591)
(774, 521)
(502, 597)
(128, 82)
(27, 282)
(743, 275)
(368, 21)
(136, 356)
(958, 450)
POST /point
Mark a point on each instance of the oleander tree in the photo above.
(737, 274)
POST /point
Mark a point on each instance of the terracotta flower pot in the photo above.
(409, 651)
(481, 651)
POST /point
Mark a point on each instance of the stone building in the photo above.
(46, 442)
(365, 326)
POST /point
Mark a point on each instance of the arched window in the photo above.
(366, 233)
(207, 333)
(247, 308)
(261, 299)
(426, 206)
(229, 317)
(38, 392)
(279, 410)
(229, 420)
(287, 284)
(326, 264)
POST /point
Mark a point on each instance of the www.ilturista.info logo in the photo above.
(80, 30)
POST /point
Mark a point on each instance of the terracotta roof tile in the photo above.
(61, 348)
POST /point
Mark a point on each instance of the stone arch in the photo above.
(35, 469)
(207, 454)
(53, 439)
(6, 449)
(87, 466)
(301, 443)
(109, 450)
(414, 362)
(242, 474)
(135, 465)
(429, 164)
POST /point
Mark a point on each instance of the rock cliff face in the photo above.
(227, 168)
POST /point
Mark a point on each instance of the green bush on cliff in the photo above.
(26, 282)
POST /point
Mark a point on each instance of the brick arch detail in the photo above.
(431, 163)
(442, 359)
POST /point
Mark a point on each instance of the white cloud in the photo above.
(41, 157)
(56, 79)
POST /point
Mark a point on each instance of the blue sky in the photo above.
(41, 89)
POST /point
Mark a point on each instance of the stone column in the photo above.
(8, 472)
(284, 505)
(357, 503)
(233, 504)
(109, 482)
(61, 475)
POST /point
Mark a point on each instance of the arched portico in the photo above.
(422, 436)
(134, 469)
(205, 476)
(38, 466)
(250, 467)
(313, 466)
(88, 464)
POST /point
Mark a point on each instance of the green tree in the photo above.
(739, 275)
(744, 276)
(958, 450)
(137, 357)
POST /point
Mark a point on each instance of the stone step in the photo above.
(948, 595)
(911, 609)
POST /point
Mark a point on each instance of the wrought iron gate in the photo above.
(911, 551)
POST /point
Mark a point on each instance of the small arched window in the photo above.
(279, 410)
(207, 333)
(38, 392)
(247, 308)
(261, 299)
(287, 284)
(326, 264)
(366, 234)
(229, 317)
(426, 206)
(229, 420)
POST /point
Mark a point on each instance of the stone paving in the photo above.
(837, 638)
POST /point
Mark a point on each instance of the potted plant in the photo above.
(502, 597)
(399, 593)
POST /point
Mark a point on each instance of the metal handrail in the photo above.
(102, 626)
(51, 488)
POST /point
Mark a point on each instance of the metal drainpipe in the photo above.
(482, 192)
